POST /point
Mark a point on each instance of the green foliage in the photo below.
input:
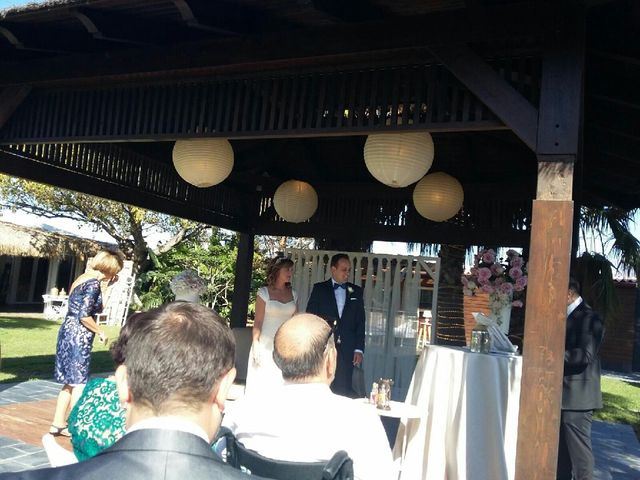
(594, 273)
(213, 259)
(128, 225)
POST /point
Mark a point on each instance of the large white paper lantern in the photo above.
(203, 162)
(438, 196)
(399, 159)
(295, 201)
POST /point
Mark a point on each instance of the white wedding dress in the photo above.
(264, 376)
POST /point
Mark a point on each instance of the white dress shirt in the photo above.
(309, 423)
(341, 296)
(573, 305)
(171, 423)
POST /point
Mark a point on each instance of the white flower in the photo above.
(349, 289)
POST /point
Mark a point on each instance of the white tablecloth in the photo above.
(470, 431)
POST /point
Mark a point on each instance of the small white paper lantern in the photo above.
(399, 159)
(203, 162)
(438, 196)
(295, 201)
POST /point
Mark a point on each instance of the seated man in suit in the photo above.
(580, 387)
(178, 369)
(302, 420)
(341, 304)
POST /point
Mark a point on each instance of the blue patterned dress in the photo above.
(73, 351)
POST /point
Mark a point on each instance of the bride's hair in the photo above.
(274, 268)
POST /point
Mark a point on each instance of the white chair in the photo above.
(57, 455)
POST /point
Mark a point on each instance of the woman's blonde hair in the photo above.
(274, 268)
(107, 262)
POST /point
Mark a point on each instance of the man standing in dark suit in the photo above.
(178, 370)
(341, 304)
(580, 387)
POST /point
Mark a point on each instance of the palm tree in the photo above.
(606, 235)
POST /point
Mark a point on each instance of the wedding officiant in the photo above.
(341, 304)
(580, 387)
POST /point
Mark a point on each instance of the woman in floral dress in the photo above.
(75, 338)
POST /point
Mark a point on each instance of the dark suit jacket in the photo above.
(350, 327)
(581, 382)
(143, 455)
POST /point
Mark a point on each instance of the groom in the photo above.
(340, 303)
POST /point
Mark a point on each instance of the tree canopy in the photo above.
(129, 226)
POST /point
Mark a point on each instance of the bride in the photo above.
(275, 303)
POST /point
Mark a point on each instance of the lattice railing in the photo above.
(426, 97)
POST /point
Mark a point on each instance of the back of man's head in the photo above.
(300, 346)
(574, 287)
(176, 358)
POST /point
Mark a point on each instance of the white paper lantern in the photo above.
(438, 196)
(295, 201)
(203, 162)
(399, 159)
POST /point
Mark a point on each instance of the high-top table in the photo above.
(470, 431)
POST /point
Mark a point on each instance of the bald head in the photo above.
(300, 345)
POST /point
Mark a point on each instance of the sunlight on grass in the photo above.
(29, 346)
(621, 403)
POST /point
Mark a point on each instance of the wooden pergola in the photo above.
(531, 105)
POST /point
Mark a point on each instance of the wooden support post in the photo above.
(242, 283)
(559, 125)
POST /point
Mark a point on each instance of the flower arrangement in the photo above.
(188, 280)
(502, 281)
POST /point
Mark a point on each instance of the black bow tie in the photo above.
(339, 285)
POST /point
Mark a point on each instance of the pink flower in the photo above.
(506, 288)
(499, 281)
(497, 269)
(517, 303)
(517, 262)
(484, 274)
(522, 281)
(515, 273)
(489, 256)
(487, 289)
(511, 252)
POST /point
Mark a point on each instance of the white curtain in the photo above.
(391, 285)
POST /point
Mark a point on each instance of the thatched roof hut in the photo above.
(21, 241)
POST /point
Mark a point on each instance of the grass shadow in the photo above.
(618, 409)
(26, 323)
(40, 367)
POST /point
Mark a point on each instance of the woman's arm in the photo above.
(258, 319)
(90, 324)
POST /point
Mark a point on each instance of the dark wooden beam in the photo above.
(288, 48)
(491, 89)
(436, 233)
(100, 29)
(10, 100)
(242, 281)
(558, 145)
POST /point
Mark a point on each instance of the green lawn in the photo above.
(29, 344)
(621, 403)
